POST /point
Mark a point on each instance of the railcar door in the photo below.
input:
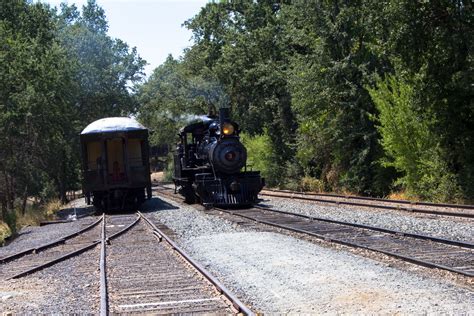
(116, 168)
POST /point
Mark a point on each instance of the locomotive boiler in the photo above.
(115, 163)
(210, 164)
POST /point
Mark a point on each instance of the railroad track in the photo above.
(451, 255)
(141, 269)
(158, 277)
(442, 209)
(428, 251)
(34, 259)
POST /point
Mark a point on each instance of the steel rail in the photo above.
(104, 306)
(369, 227)
(104, 297)
(56, 260)
(48, 245)
(351, 244)
(217, 284)
(368, 198)
(388, 207)
(71, 254)
(384, 230)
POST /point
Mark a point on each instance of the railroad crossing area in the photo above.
(282, 256)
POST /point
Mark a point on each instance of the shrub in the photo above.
(261, 157)
(52, 207)
(10, 220)
(311, 184)
(169, 168)
(5, 232)
(409, 142)
(32, 217)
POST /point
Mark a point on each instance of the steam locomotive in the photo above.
(208, 164)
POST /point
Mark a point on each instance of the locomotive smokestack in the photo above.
(224, 115)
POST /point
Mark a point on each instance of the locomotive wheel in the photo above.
(189, 196)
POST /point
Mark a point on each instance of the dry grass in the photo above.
(401, 195)
(34, 214)
(52, 208)
(310, 184)
(32, 217)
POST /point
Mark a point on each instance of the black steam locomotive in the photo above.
(208, 163)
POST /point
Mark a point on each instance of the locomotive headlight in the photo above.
(228, 129)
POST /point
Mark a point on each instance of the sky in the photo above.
(153, 26)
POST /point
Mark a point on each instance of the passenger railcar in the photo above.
(115, 163)
(208, 164)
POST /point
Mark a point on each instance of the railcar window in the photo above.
(135, 152)
(93, 155)
(189, 138)
(115, 156)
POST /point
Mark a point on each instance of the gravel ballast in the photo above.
(67, 288)
(438, 226)
(275, 273)
(34, 236)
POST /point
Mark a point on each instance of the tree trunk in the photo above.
(9, 192)
(25, 199)
(3, 201)
(62, 191)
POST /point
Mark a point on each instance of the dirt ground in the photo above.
(157, 176)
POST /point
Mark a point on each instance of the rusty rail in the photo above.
(312, 197)
(72, 253)
(218, 285)
(50, 244)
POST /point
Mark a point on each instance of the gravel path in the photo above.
(275, 273)
(451, 228)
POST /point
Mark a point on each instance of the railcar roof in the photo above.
(113, 124)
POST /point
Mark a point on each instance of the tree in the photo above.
(106, 69)
(332, 61)
(432, 42)
(35, 76)
(242, 45)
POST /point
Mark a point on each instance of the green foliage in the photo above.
(105, 69)
(169, 168)
(303, 71)
(262, 157)
(10, 221)
(431, 43)
(337, 141)
(58, 72)
(170, 98)
(409, 142)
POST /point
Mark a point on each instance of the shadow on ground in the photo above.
(156, 204)
(75, 212)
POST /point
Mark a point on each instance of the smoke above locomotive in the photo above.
(210, 164)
